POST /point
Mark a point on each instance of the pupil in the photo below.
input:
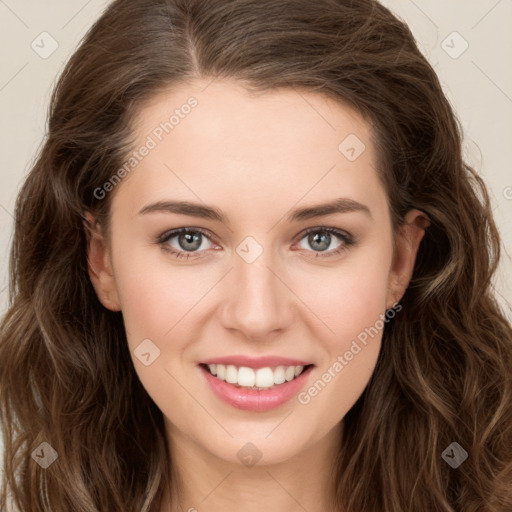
(318, 238)
(189, 238)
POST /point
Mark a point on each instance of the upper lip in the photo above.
(256, 362)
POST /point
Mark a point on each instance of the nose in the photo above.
(260, 304)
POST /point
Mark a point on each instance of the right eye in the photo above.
(188, 241)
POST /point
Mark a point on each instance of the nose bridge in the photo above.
(259, 302)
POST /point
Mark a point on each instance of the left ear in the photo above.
(407, 241)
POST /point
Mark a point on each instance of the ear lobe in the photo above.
(99, 264)
(407, 243)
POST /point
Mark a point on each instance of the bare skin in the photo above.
(257, 158)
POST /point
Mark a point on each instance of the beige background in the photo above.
(478, 82)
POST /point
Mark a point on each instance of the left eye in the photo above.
(320, 239)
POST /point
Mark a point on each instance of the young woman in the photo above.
(251, 271)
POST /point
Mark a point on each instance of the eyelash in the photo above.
(347, 239)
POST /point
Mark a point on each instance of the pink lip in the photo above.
(256, 362)
(253, 399)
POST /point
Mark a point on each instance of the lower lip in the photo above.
(253, 399)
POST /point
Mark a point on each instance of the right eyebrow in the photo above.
(186, 208)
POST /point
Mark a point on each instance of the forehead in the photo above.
(218, 141)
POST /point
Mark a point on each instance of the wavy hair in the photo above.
(444, 370)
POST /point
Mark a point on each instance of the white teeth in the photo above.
(221, 372)
(246, 377)
(260, 378)
(231, 374)
(289, 373)
(264, 378)
(279, 375)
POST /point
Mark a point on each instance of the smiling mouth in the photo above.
(250, 378)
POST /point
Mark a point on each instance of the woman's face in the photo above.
(249, 288)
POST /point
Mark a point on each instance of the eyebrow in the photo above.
(340, 205)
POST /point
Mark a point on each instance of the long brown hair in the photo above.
(444, 371)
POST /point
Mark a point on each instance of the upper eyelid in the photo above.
(329, 229)
(171, 233)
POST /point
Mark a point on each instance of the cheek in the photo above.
(352, 304)
(157, 304)
(154, 296)
(350, 297)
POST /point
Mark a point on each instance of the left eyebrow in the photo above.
(340, 205)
